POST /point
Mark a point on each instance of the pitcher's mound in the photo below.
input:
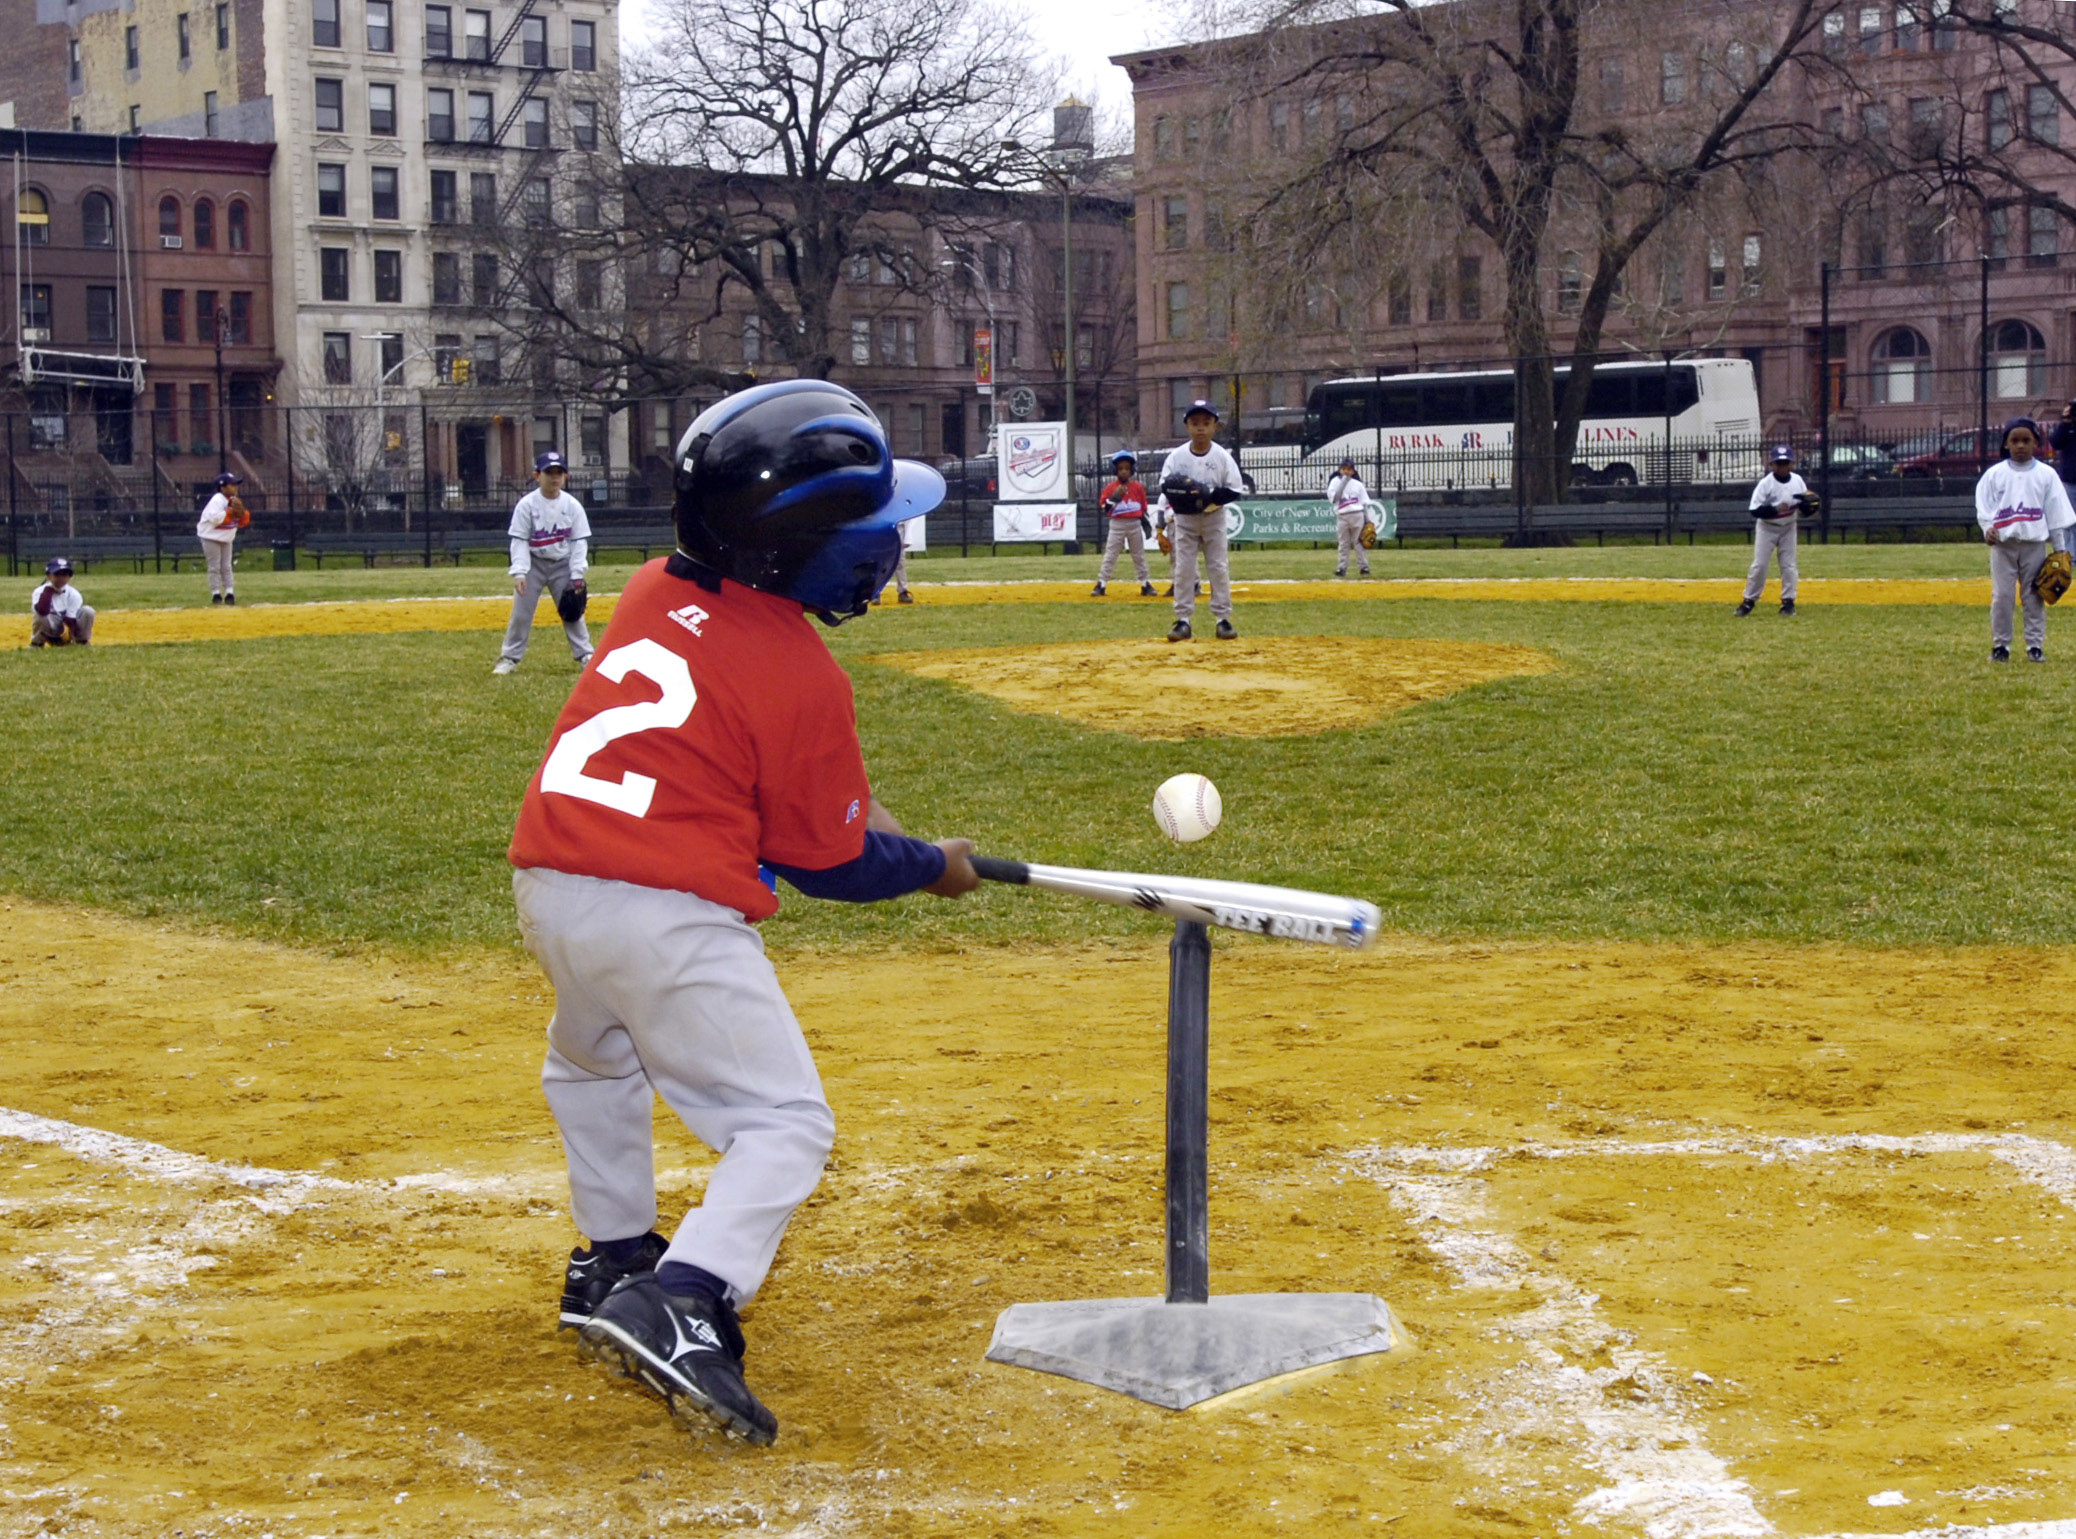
(1281, 686)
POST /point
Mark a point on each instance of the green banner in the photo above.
(1261, 519)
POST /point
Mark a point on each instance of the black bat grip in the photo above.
(990, 869)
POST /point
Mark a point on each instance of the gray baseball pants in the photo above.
(1189, 532)
(1348, 528)
(661, 993)
(2013, 566)
(216, 555)
(46, 629)
(1768, 536)
(1125, 534)
(554, 576)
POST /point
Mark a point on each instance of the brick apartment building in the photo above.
(1739, 275)
(123, 250)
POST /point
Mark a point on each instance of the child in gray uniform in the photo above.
(1777, 502)
(549, 534)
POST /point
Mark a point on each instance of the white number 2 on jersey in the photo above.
(631, 793)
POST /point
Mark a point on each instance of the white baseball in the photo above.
(1187, 807)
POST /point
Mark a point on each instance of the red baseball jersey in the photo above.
(1124, 499)
(712, 731)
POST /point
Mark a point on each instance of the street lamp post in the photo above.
(221, 327)
(1071, 147)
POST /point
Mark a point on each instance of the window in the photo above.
(1000, 264)
(32, 218)
(1672, 279)
(2043, 236)
(533, 42)
(446, 201)
(1163, 138)
(584, 206)
(446, 349)
(205, 315)
(324, 23)
(172, 315)
(1997, 238)
(36, 307)
(1614, 91)
(482, 116)
(483, 278)
(861, 342)
(591, 440)
(1400, 299)
(1870, 30)
(331, 191)
(131, 60)
(590, 285)
(331, 106)
(209, 116)
(241, 319)
(1438, 292)
(390, 358)
(100, 313)
(1996, 118)
(201, 418)
(439, 115)
(97, 219)
(165, 419)
(338, 358)
(383, 198)
(2018, 361)
(332, 272)
(1175, 222)
(583, 125)
(482, 197)
(1748, 284)
(1006, 337)
(72, 70)
(389, 277)
(1279, 125)
(1871, 243)
(1178, 312)
(1738, 65)
(583, 45)
(1874, 122)
(136, 118)
(205, 225)
(1718, 271)
(1672, 78)
(1909, 26)
(382, 111)
(1470, 295)
(1923, 235)
(535, 205)
(889, 339)
(1927, 126)
(488, 360)
(1570, 284)
(169, 218)
(910, 333)
(536, 120)
(223, 27)
(381, 31)
(475, 36)
(2043, 115)
(1834, 35)
(753, 339)
(181, 38)
(439, 32)
(446, 278)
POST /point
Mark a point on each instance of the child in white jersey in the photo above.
(549, 536)
(2023, 510)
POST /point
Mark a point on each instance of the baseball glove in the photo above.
(571, 605)
(1369, 534)
(1161, 538)
(2055, 576)
(1810, 504)
(1184, 497)
(236, 515)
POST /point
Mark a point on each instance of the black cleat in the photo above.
(2000, 654)
(2035, 655)
(1146, 590)
(904, 597)
(1097, 591)
(684, 1348)
(591, 1277)
(216, 598)
(1179, 631)
(1787, 606)
(230, 598)
(1169, 591)
(1744, 609)
(1226, 631)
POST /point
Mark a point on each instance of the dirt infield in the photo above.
(129, 627)
(1275, 687)
(1694, 1241)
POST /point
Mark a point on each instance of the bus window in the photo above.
(1492, 400)
(1401, 408)
(1651, 392)
(1446, 405)
(1611, 395)
(1341, 409)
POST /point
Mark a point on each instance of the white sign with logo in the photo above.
(1031, 522)
(1033, 463)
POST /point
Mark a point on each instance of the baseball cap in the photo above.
(551, 460)
(1348, 460)
(55, 565)
(1201, 406)
(1123, 455)
(230, 478)
(1782, 454)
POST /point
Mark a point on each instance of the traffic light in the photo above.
(461, 370)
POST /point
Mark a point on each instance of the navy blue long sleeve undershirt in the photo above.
(891, 864)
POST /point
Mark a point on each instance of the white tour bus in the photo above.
(1438, 431)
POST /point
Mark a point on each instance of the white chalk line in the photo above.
(1661, 1473)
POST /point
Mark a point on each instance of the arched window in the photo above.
(97, 219)
(205, 225)
(237, 228)
(1902, 368)
(2018, 361)
(169, 217)
(32, 217)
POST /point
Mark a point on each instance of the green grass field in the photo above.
(1859, 774)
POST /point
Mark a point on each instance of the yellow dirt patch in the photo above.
(1779, 1229)
(1281, 686)
(245, 622)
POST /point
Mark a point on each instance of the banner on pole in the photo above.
(1033, 522)
(1264, 519)
(984, 359)
(1032, 463)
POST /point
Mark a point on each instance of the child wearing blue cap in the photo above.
(2022, 510)
(549, 535)
(1777, 502)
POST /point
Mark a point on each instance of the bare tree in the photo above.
(1479, 107)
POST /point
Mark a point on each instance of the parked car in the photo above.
(1855, 462)
(969, 480)
(1957, 455)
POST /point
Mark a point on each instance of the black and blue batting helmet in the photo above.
(790, 488)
